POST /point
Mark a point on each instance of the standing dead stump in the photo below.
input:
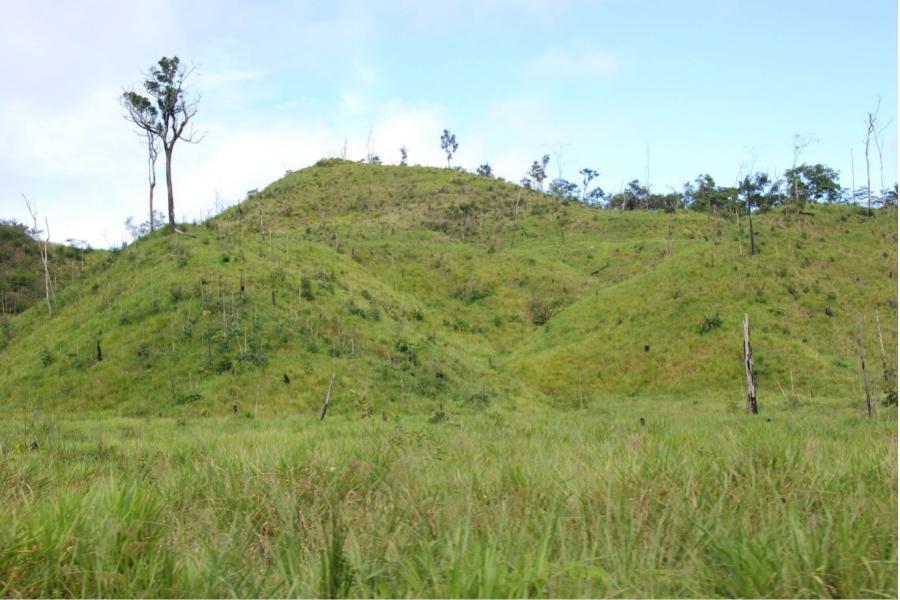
(748, 368)
(327, 402)
(862, 367)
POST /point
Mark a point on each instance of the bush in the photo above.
(306, 291)
(541, 310)
(355, 310)
(408, 350)
(472, 292)
(177, 294)
(46, 357)
(710, 323)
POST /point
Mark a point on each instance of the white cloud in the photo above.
(210, 81)
(84, 140)
(575, 61)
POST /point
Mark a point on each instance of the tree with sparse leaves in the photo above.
(164, 113)
(449, 145)
(563, 189)
(484, 170)
(633, 197)
(587, 175)
(538, 171)
(756, 192)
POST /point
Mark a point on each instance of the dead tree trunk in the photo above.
(152, 154)
(870, 131)
(752, 237)
(42, 245)
(748, 368)
(885, 372)
(327, 402)
(862, 366)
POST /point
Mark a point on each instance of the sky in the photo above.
(625, 87)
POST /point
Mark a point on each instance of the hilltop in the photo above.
(420, 287)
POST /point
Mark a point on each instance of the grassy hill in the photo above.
(556, 393)
(421, 286)
(21, 272)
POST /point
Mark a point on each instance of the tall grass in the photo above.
(699, 502)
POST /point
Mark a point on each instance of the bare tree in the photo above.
(164, 113)
(42, 244)
(152, 155)
(800, 142)
(871, 132)
(881, 190)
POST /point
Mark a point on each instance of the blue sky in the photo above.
(717, 86)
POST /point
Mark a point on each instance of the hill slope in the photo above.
(421, 286)
(21, 271)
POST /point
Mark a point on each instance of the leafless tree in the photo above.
(870, 132)
(42, 244)
(152, 155)
(800, 142)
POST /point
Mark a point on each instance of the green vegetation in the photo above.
(532, 397)
(700, 501)
(21, 272)
(341, 266)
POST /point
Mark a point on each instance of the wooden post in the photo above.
(748, 368)
(884, 364)
(327, 402)
(862, 366)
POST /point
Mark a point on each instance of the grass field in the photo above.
(495, 352)
(702, 500)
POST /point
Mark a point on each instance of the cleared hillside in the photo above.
(21, 270)
(421, 286)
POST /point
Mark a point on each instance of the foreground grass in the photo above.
(701, 501)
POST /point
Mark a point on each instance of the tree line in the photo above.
(798, 185)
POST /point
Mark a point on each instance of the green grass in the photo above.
(21, 270)
(702, 501)
(426, 286)
(492, 367)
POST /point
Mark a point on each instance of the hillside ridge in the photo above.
(423, 287)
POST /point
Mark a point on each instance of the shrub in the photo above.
(710, 323)
(408, 350)
(472, 292)
(177, 294)
(541, 310)
(306, 291)
(355, 310)
(46, 357)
